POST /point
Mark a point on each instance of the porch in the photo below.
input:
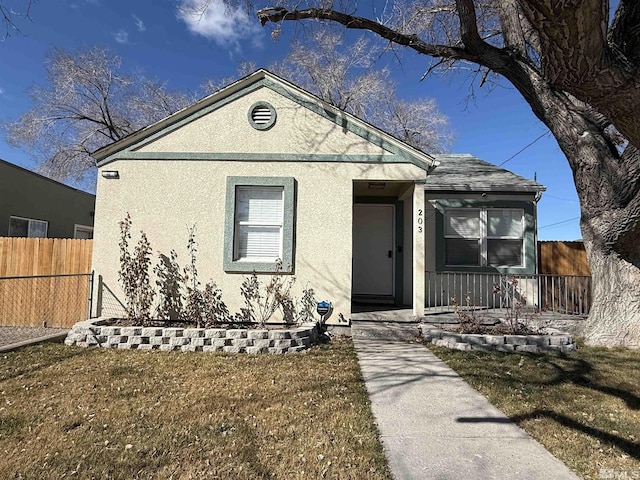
(558, 301)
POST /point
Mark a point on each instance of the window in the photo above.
(82, 232)
(259, 224)
(504, 237)
(27, 227)
(484, 237)
(462, 237)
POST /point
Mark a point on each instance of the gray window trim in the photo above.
(483, 236)
(262, 126)
(529, 244)
(288, 225)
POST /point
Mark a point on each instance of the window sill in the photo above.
(251, 266)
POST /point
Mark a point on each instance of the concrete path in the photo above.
(12, 338)
(433, 425)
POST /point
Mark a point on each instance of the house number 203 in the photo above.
(420, 220)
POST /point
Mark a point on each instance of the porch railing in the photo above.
(566, 294)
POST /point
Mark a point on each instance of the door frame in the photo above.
(398, 247)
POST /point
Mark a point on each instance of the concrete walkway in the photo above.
(12, 338)
(433, 425)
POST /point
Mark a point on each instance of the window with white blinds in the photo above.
(259, 215)
(462, 236)
(504, 236)
(484, 237)
(259, 225)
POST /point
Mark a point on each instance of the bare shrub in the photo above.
(134, 274)
(169, 281)
(263, 300)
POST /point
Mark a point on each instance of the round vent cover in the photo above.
(262, 115)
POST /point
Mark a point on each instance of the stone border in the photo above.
(556, 342)
(95, 333)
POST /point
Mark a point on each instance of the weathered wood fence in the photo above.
(562, 258)
(44, 281)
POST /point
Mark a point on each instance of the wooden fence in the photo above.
(44, 280)
(562, 258)
(23, 257)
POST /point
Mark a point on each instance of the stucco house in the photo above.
(266, 170)
(32, 205)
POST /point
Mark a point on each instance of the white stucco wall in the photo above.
(164, 198)
(297, 130)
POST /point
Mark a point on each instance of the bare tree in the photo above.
(346, 76)
(213, 85)
(10, 16)
(579, 73)
(87, 104)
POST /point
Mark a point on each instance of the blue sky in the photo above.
(151, 37)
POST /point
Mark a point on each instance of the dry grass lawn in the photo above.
(68, 412)
(584, 407)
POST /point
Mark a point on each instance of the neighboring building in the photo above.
(266, 170)
(32, 205)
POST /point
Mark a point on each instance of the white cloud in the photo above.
(224, 24)
(121, 36)
(139, 24)
(1, 91)
(81, 3)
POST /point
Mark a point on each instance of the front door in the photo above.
(373, 250)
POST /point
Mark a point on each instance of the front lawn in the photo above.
(584, 407)
(97, 413)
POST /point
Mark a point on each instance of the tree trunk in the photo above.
(608, 186)
(614, 319)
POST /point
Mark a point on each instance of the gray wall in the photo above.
(29, 195)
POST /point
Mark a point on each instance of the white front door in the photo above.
(373, 249)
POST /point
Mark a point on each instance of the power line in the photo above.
(558, 223)
(519, 152)
(560, 198)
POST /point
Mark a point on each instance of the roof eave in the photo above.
(488, 188)
(134, 137)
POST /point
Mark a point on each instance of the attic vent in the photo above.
(262, 115)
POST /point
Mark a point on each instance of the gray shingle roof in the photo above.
(467, 173)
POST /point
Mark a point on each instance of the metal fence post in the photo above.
(99, 299)
(91, 294)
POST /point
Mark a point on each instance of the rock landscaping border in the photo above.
(95, 333)
(555, 341)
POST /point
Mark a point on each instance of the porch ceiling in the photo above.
(379, 188)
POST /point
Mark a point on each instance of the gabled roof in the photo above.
(30, 173)
(467, 173)
(402, 152)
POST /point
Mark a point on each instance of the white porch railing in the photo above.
(566, 294)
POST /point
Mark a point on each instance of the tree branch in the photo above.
(469, 25)
(278, 14)
(511, 23)
(578, 59)
(570, 32)
(624, 34)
